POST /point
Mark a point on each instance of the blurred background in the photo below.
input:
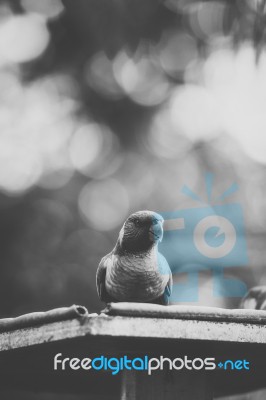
(111, 106)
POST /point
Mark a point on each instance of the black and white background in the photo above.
(111, 106)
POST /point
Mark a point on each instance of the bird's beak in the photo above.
(156, 231)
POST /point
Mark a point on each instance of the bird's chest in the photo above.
(137, 279)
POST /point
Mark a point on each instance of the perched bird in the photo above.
(135, 271)
(255, 298)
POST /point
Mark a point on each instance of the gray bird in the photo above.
(255, 298)
(135, 271)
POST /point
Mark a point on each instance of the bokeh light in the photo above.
(141, 79)
(238, 84)
(99, 74)
(16, 177)
(195, 113)
(104, 204)
(94, 150)
(47, 8)
(208, 19)
(23, 38)
(176, 51)
(164, 139)
(36, 124)
(86, 146)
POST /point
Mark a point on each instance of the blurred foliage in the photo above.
(110, 106)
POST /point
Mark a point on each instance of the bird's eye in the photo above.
(137, 222)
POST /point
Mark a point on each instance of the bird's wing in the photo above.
(165, 270)
(163, 265)
(164, 299)
(169, 286)
(100, 278)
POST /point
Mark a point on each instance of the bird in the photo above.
(255, 299)
(135, 271)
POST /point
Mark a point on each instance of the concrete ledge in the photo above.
(207, 325)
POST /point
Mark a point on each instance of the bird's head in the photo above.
(141, 231)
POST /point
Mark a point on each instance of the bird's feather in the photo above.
(135, 271)
(100, 280)
(145, 278)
